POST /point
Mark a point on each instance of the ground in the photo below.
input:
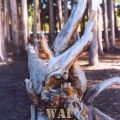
(14, 100)
(109, 66)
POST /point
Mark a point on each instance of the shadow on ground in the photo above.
(14, 100)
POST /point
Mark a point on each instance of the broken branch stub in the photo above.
(45, 46)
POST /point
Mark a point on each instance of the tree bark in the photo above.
(14, 20)
(3, 56)
(60, 16)
(65, 11)
(6, 21)
(93, 55)
(112, 23)
(51, 22)
(106, 25)
(35, 25)
(117, 32)
(24, 24)
(99, 30)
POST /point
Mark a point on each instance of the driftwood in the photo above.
(70, 27)
(92, 93)
(57, 86)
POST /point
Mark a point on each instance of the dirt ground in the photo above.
(109, 66)
(14, 100)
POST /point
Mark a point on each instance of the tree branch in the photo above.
(45, 46)
(62, 40)
(32, 112)
(95, 114)
(37, 68)
(94, 92)
(59, 66)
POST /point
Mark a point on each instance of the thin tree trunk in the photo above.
(6, 21)
(24, 24)
(36, 6)
(65, 11)
(76, 34)
(83, 26)
(99, 30)
(117, 32)
(112, 23)
(106, 24)
(3, 56)
(14, 20)
(51, 22)
(93, 55)
(38, 17)
(59, 3)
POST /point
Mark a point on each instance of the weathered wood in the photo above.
(32, 112)
(45, 46)
(31, 93)
(62, 40)
(94, 92)
(58, 66)
(51, 86)
(41, 116)
(37, 69)
(80, 76)
(94, 114)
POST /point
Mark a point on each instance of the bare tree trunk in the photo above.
(24, 24)
(51, 21)
(117, 32)
(60, 16)
(76, 35)
(99, 30)
(106, 25)
(93, 55)
(3, 56)
(6, 21)
(65, 11)
(36, 7)
(112, 23)
(14, 20)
